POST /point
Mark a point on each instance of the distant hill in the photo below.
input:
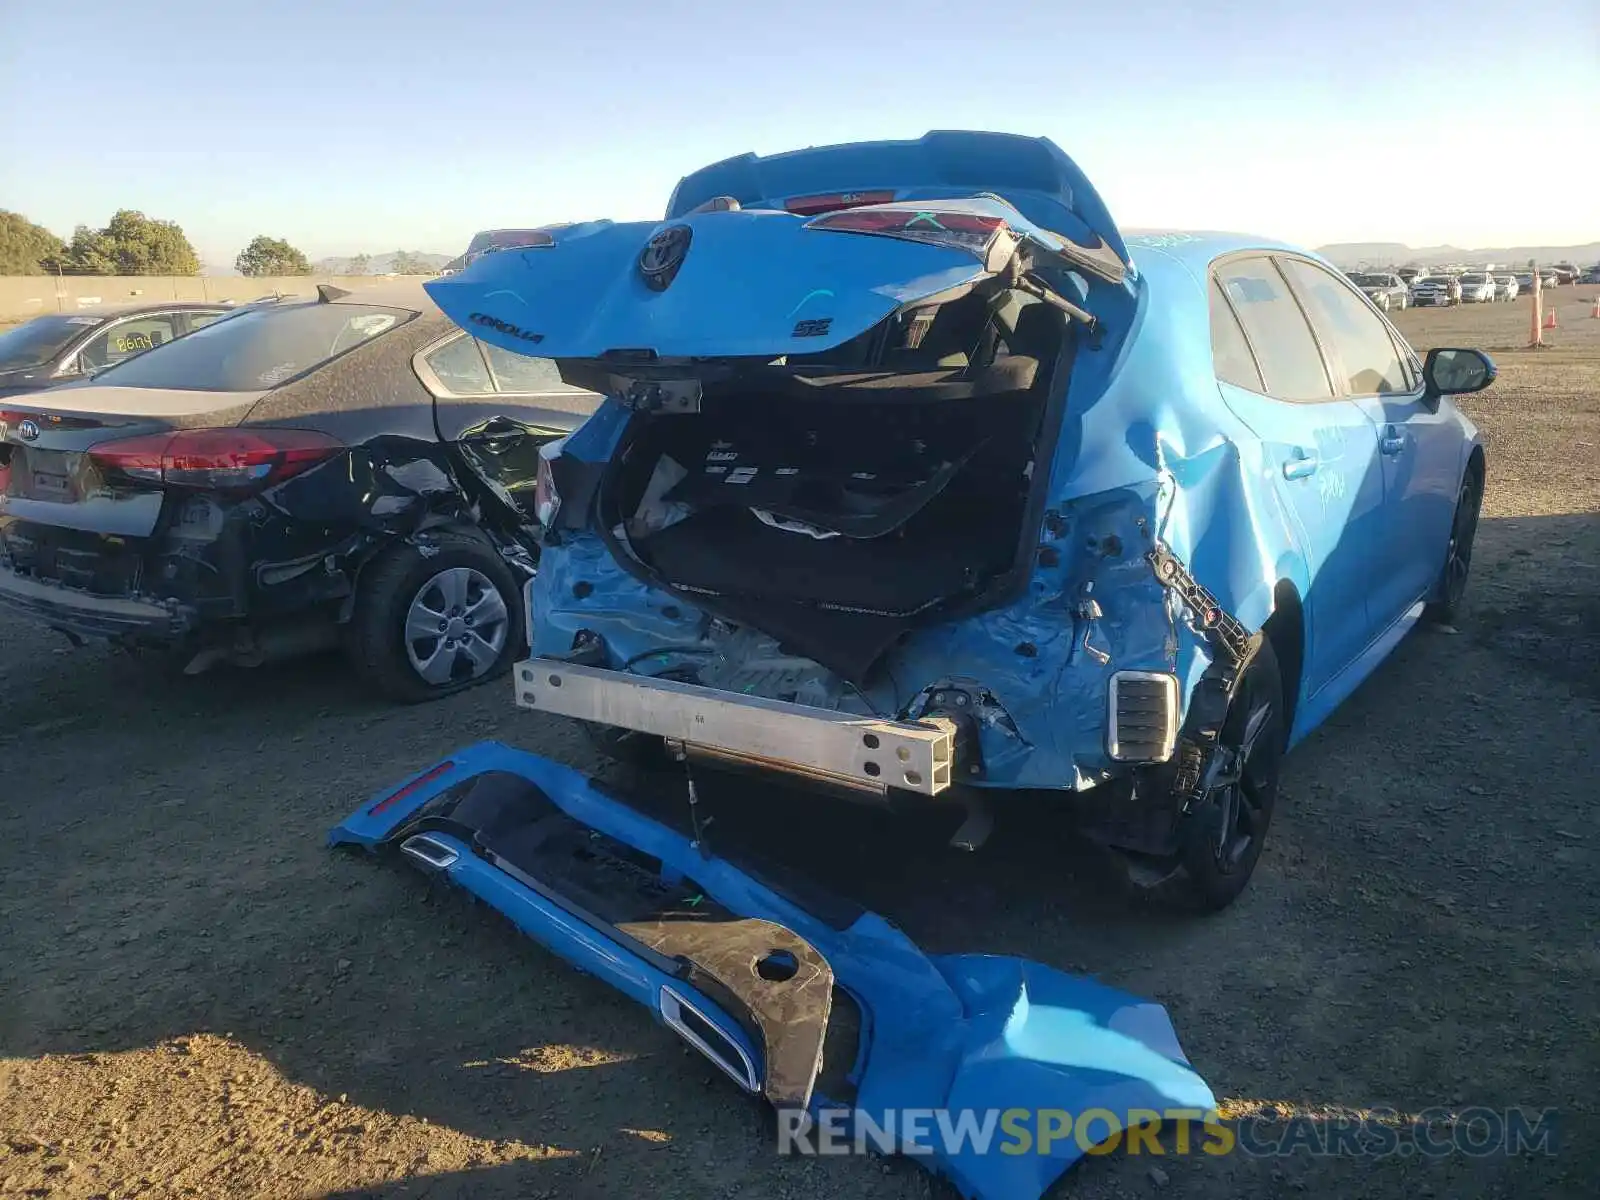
(377, 264)
(1353, 254)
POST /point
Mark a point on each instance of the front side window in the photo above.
(257, 350)
(1367, 356)
(1291, 364)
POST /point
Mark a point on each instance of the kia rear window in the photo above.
(258, 350)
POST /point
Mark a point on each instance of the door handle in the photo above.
(1301, 464)
(1393, 441)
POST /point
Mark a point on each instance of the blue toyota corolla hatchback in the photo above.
(918, 480)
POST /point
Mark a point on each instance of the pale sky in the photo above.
(352, 127)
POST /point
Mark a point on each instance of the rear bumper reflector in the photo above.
(1142, 722)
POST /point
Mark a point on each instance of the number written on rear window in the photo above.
(1291, 365)
(128, 338)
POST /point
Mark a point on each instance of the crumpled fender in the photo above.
(959, 1033)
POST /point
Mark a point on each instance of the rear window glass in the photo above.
(1291, 365)
(257, 350)
(36, 342)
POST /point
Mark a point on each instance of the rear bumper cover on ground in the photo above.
(819, 1006)
(89, 615)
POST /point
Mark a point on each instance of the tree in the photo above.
(403, 262)
(131, 244)
(359, 264)
(271, 256)
(26, 248)
(89, 253)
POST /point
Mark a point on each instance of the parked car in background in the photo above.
(1384, 290)
(828, 522)
(1476, 288)
(1527, 281)
(1565, 273)
(1506, 287)
(1591, 275)
(58, 348)
(349, 468)
(1548, 279)
(1436, 291)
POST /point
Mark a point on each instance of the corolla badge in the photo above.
(662, 255)
(28, 431)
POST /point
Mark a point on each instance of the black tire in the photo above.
(1452, 582)
(1222, 839)
(376, 641)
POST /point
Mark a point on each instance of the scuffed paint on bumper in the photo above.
(955, 1034)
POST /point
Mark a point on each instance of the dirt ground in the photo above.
(197, 999)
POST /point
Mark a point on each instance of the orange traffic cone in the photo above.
(1595, 311)
(1550, 319)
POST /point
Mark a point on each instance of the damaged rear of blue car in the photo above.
(918, 480)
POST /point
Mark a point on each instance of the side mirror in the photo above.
(1457, 372)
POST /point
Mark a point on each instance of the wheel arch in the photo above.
(1286, 630)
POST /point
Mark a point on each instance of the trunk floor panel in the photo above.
(730, 551)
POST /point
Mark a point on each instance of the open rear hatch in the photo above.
(826, 1010)
(837, 414)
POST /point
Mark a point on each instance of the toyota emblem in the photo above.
(28, 431)
(662, 255)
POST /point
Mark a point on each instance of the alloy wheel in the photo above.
(1458, 554)
(456, 627)
(1242, 789)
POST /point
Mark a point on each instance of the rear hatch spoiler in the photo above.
(1032, 173)
(661, 300)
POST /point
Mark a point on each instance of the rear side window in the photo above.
(517, 373)
(257, 350)
(128, 338)
(1229, 350)
(459, 367)
(1291, 364)
(1364, 351)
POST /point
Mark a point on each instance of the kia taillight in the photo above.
(216, 459)
(809, 206)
